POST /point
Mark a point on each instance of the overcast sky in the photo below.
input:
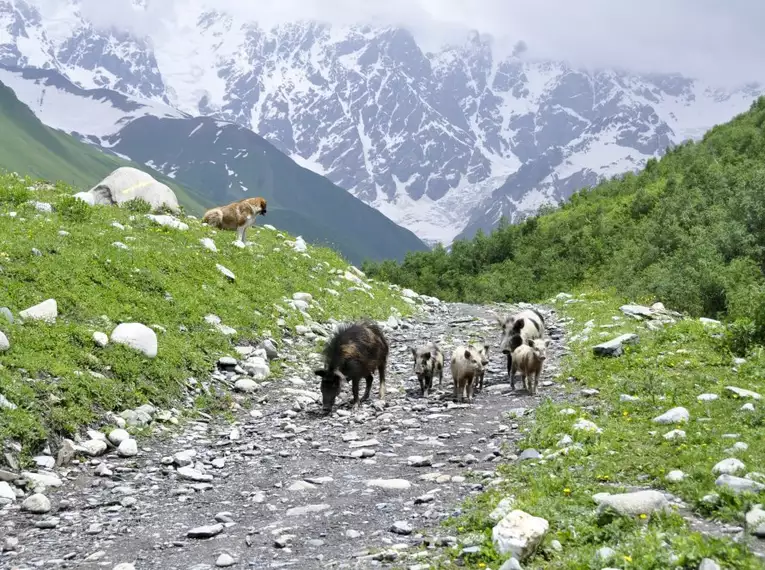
(717, 40)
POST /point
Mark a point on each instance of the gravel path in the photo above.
(282, 486)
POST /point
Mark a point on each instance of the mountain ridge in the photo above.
(428, 138)
(219, 160)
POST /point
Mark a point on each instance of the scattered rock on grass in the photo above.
(632, 504)
(615, 347)
(136, 336)
(673, 416)
(47, 311)
(519, 534)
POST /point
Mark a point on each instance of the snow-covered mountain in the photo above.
(442, 143)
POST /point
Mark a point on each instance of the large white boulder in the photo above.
(137, 336)
(46, 311)
(519, 534)
(127, 183)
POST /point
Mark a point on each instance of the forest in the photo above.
(688, 230)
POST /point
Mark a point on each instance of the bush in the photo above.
(73, 209)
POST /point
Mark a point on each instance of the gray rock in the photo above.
(7, 494)
(45, 461)
(301, 486)
(390, 484)
(94, 447)
(227, 362)
(615, 347)
(502, 508)
(192, 474)
(245, 385)
(5, 312)
(168, 222)
(528, 454)
(257, 367)
(420, 461)
(100, 339)
(209, 244)
(5, 344)
(270, 348)
(205, 531)
(709, 564)
(6, 403)
(37, 504)
(675, 476)
(225, 560)
(511, 564)
(519, 534)
(128, 448)
(729, 466)
(674, 434)
(126, 183)
(638, 312)
(42, 479)
(673, 416)
(117, 436)
(707, 397)
(137, 336)
(605, 554)
(632, 504)
(47, 523)
(307, 509)
(743, 393)
(226, 272)
(401, 527)
(47, 311)
(739, 484)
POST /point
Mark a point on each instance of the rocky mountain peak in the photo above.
(442, 142)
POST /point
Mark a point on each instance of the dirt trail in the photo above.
(283, 485)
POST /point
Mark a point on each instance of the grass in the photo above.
(166, 279)
(29, 147)
(667, 368)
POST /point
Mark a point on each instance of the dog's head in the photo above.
(259, 204)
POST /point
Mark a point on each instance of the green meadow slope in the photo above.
(29, 147)
(107, 265)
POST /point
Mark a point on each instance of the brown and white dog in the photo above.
(236, 216)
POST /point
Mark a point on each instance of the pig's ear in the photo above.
(320, 372)
(547, 342)
(426, 356)
(500, 320)
(413, 351)
(468, 355)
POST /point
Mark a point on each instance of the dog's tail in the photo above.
(213, 217)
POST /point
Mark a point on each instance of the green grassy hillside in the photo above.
(222, 159)
(626, 450)
(30, 148)
(688, 230)
(164, 278)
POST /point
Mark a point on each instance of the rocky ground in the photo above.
(280, 485)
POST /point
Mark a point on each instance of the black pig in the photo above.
(354, 352)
